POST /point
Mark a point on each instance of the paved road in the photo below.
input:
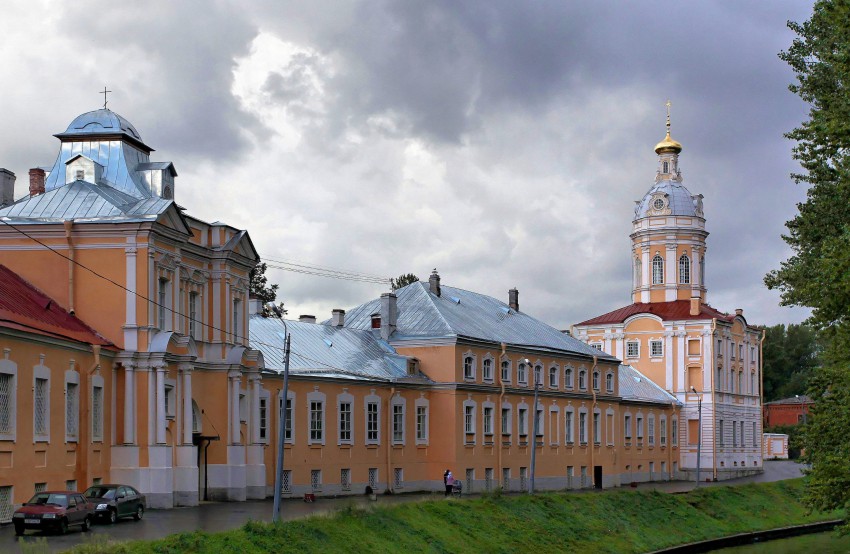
(229, 515)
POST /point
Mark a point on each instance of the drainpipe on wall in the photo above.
(69, 223)
(84, 428)
(501, 416)
(713, 401)
(390, 440)
(670, 446)
(592, 415)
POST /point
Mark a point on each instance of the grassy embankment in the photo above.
(611, 521)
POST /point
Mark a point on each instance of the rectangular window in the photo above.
(755, 436)
(372, 423)
(583, 477)
(582, 428)
(373, 478)
(469, 419)
(632, 349)
(662, 432)
(345, 478)
(40, 404)
(40, 487)
(398, 478)
(237, 305)
(523, 479)
(609, 429)
(570, 474)
(693, 431)
(72, 392)
(639, 428)
(506, 478)
(522, 421)
(488, 421)
(316, 480)
(742, 433)
(506, 421)
(162, 299)
(193, 313)
(674, 432)
(398, 423)
(627, 428)
(568, 427)
(421, 423)
(539, 421)
(317, 409)
(488, 479)
(596, 345)
(470, 479)
(97, 413)
(71, 485)
(596, 432)
(651, 431)
(734, 434)
(345, 422)
(6, 506)
(7, 395)
(286, 482)
(264, 419)
(287, 429)
(656, 348)
(693, 347)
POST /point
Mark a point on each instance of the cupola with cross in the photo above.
(668, 234)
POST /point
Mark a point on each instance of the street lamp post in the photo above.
(281, 432)
(802, 407)
(534, 426)
(699, 431)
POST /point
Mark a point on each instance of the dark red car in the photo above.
(54, 511)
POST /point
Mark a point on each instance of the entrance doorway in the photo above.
(597, 477)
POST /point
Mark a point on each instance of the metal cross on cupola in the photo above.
(104, 92)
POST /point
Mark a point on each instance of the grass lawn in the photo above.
(609, 521)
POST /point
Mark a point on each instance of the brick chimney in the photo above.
(434, 282)
(389, 314)
(7, 187)
(513, 299)
(739, 311)
(338, 318)
(36, 181)
(307, 318)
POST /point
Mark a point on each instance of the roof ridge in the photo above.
(437, 308)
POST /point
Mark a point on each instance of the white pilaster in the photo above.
(646, 273)
(129, 404)
(234, 408)
(186, 372)
(160, 405)
(670, 281)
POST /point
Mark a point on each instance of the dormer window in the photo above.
(376, 321)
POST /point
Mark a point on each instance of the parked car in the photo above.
(54, 511)
(116, 501)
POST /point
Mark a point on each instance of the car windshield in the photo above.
(101, 492)
(49, 498)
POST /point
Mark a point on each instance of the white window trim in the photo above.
(627, 426)
(489, 358)
(281, 407)
(522, 430)
(344, 398)
(372, 399)
(41, 372)
(474, 358)
(9, 367)
(97, 382)
(420, 403)
(265, 395)
(541, 429)
(492, 431)
(557, 372)
(398, 401)
(72, 377)
(554, 435)
(660, 342)
(510, 368)
(596, 420)
(611, 433)
(519, 380)
(613, 383)
(650, 430)
(569, 429)
(662, 431)
(317, 396)
(635, 342)
(569, 383)
(507, 406)
(171, 390)
(583, 429)
(469, 429)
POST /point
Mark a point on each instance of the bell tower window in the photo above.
(684, 269)
(665, 167)
(657, 270)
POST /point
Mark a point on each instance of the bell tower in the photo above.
(668, 235)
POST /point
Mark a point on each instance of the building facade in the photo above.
(787, 411)
(702, 356)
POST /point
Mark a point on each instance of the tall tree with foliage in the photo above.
(259, 284)
(790, 356)
(403, 280)
(818, 273)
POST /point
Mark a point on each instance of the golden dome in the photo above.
(668, 145)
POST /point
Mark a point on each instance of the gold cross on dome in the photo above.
(103, 92)
(668, 104)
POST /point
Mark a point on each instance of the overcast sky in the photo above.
(503, 143)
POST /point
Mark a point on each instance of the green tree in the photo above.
(817, 275)
(403, 280)
(259, 284)
(790, 355)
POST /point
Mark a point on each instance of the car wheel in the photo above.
(63, 526)
(19, 530)
(87, 523)
(140, 513)
(113, 516)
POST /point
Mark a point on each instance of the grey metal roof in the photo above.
(324, 350)
(83, 201)
(637, 387)
(100, 121)
(461, 313)
(679, 199)
(145, 166)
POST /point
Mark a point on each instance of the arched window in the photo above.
(468, 368)
(553, 376)
(488, 369)
(609, 382)
(506, 371)
(582, 379)
(637, 272)
(684, 269)
(657, 270)
(520, 373)
(740, 382)
(538, 375)
(568, 377)
(595, 380)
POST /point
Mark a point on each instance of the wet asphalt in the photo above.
(221, 516)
